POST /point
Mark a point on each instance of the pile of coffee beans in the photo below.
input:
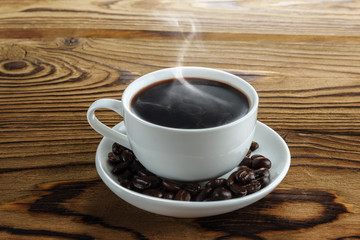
(252, 175)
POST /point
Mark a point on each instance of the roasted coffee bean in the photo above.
(231, 178)
(127, 155)
(241, 175)
(218, 182)
(238, 190)
(135, 166)
(220, 193)
(243, 168)
(117, 149)
(259, 161)
(264, 181)
(169, 195)
(154, 193)
(262, 172)
(192, 188)
(254, 146)
(140, 183)
(263, 176)
(253, 186)
(125, 183)
(256, 156)
(125, 175)
(155, 181)
(247, 161)
(182, 195)
(244, 175)
(145, 182)
(203, 194)
(170, 186)
(248, 153)
(113, 159)
(120, 167)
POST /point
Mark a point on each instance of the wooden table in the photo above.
(57, 57)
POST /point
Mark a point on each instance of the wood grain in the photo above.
(57, 57)
(66, 18)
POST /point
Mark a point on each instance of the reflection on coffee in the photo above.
(191, 103)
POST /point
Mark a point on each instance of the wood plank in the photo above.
(67, 18)
(294, 80)
(80, 205)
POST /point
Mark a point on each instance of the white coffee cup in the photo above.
(181, 154)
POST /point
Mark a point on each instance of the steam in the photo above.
(189, 29)
(187, 41)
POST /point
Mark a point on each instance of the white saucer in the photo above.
(271, 145)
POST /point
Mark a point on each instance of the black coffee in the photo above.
(192, 103)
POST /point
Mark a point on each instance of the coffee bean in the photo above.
(140, 183)
(192, 188)
(231, 180)
(244, 175)
(254, 146)
(220, 193)
(253, 186)
(154, 193)
(262, 172)
(182, 195)
(169, 195)
(244, 168)
(155, 181)
(125, 183)
(145, 182)
(248, 153)
(127, 155)
(203, 194)
(218, 182)
(238, 190)
(135, 166)
(241, 176)
(170, 186)
(125, 175)
(117, 149)
(263, 176)
(247, 161)
(260, 161)
(113, 159)
(120, 167)
(256, 156)
(264, 181)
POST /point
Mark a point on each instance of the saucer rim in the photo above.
(246, 200)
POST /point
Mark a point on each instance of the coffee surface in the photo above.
(190, 103)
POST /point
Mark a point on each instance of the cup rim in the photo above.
(253, 108)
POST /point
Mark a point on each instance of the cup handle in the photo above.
(101, 128)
